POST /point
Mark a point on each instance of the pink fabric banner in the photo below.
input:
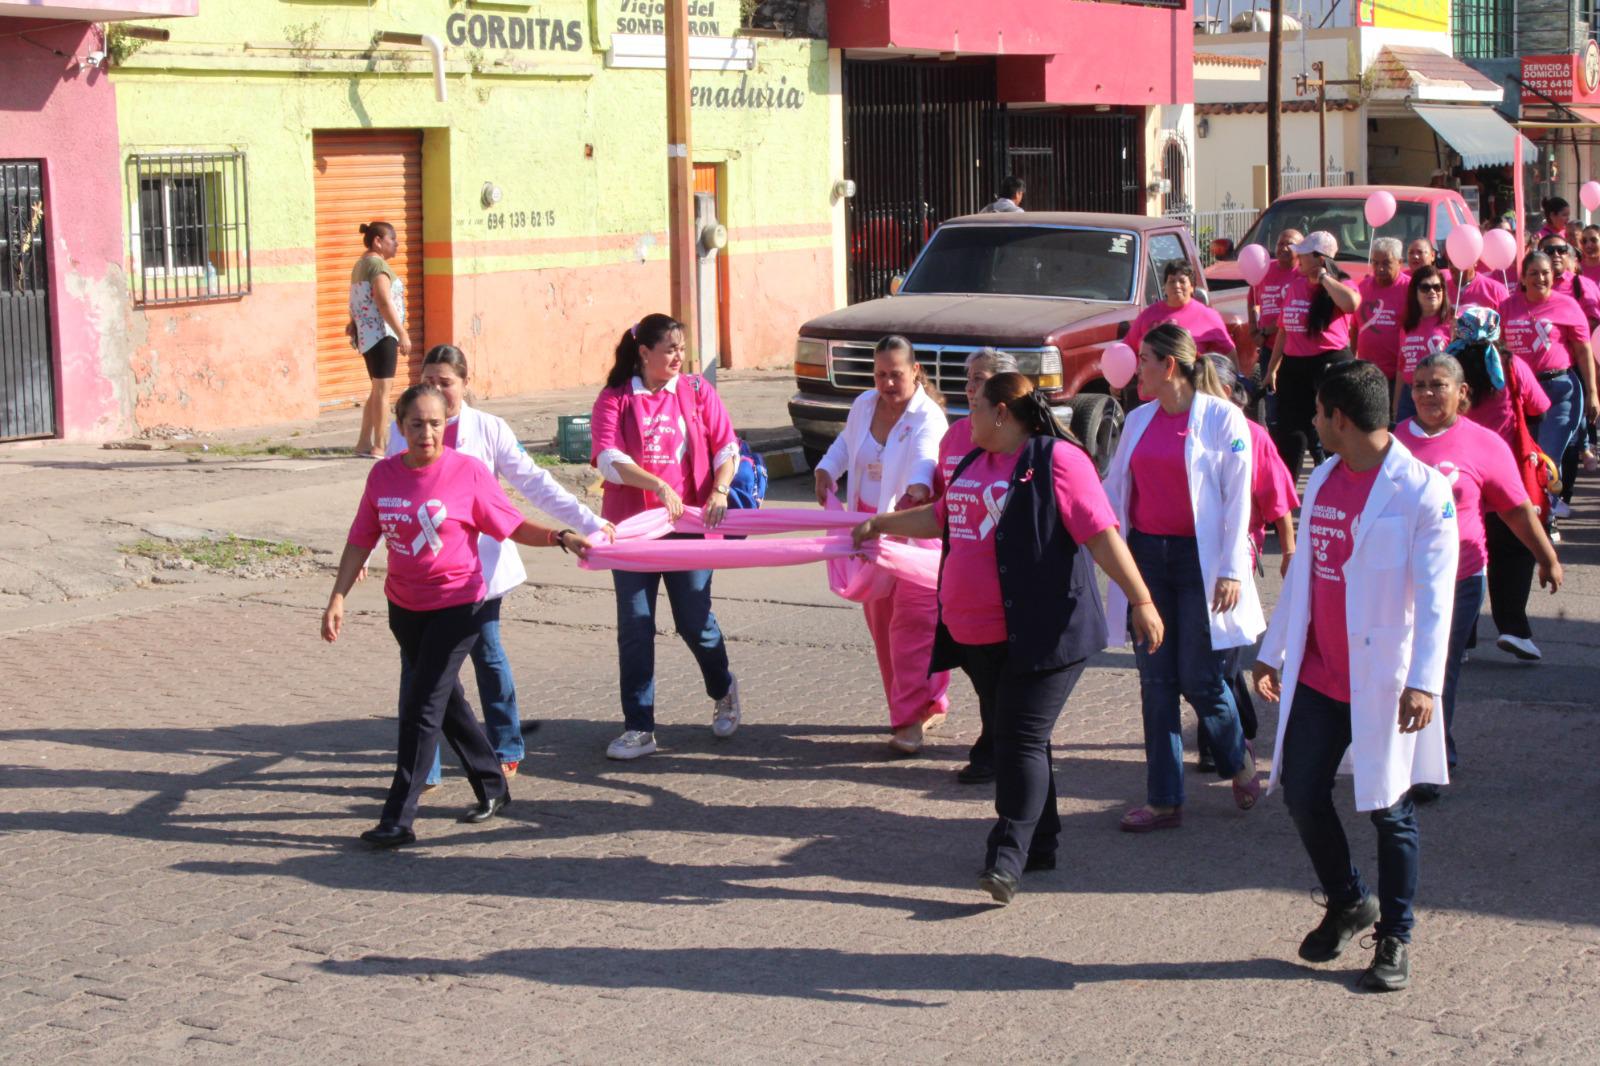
(856, 575)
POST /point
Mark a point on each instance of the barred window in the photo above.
(1484, 29)
(189, 215)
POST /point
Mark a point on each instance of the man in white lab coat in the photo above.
(1356, 650)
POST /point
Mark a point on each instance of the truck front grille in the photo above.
(850, 366)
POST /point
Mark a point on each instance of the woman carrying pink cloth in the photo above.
(661, 438)
(889, 453)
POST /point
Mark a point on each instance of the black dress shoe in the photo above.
(389, 836)
(975, 773)
(1036, 863)
(999, 884)
(484, 811)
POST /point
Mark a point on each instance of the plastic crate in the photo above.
(572, 438)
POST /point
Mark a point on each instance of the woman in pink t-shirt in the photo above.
(1383, 303)
(1019, 607)
(1181, 478)
(1589, 253)
(1180, 307)
(1484, 481)
(982, 365)
(1426, 327)
(661, 438)
(1314, 333)
(430, 504)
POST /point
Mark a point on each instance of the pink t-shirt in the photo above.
(665, 436)
(1431, 335)
(1296, 316)
(1272, 491)
(1269, 294)
(1494, 413)
(1483, 477)
(1540, 333)
(1582, 290)
(1160, 472)
(969, 592)
(1382, 308)
(953, 447)
(1333, 518)
(430, 518)
(1205, 325)
(1590, 271)
(1482, 291)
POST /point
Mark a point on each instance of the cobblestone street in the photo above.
(181, 784)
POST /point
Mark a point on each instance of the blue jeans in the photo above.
(1185, 665)
(497, 692)
(1469, 601)
(1313, 745)
(1559, 426)
(689, 594)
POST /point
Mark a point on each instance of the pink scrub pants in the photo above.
(902, 625)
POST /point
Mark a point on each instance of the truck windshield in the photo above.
(1075, 264)
(1344, 218)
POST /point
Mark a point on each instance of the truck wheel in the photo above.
(1097, 422)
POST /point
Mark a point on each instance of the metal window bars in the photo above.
(189, 220)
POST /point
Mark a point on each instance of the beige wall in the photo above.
(1225, 159)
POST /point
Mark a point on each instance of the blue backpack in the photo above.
(749, 485)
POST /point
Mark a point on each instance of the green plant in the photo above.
(228, 554)
(119, 46)
(303, 37)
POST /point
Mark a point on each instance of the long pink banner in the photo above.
(857, 574)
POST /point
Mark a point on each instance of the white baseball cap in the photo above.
(1319, 241)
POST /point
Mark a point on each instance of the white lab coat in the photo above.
(1399, 593)
(910, 455)
(1217, 451)
(490, 440)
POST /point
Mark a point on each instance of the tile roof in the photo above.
(1406, 68)
(1260, 108)
(1217, 59)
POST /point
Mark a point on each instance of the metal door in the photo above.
(27, 364)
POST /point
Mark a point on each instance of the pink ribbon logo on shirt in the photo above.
(1544, 328)
(993, 504)
(430, 516)
(1437, 344)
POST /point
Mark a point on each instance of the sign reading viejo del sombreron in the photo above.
(649, 17)
(514, 32)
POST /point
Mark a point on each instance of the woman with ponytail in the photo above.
(1019, 607)
(661, 438)
(889, 454)
(1180, 483)
(377, 328)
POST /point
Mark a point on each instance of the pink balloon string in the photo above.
(639, 547)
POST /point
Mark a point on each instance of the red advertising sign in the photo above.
(1565, 79)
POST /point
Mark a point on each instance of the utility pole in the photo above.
(680, 173)
(1275, 104)
(1302, 85)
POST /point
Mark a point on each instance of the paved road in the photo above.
(183, 772)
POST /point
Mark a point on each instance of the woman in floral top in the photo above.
(377, 327)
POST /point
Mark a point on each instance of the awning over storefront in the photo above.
(1478, 134)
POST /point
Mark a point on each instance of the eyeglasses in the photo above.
(1431, 286)
(1558, 249)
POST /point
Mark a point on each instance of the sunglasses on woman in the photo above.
(1558, 249)
(1430, 286)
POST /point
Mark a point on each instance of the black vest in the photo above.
(1054, 616)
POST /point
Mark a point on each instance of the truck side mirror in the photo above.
(1222, 248)
(895, 283)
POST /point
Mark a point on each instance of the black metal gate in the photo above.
(926, 141)
(27, 370)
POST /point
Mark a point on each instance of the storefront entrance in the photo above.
(364, 176)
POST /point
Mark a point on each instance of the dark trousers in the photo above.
(1297, 405)
(1184, 666)
(1511, 569)
(1463, 620)
(1240, 686)
(1313, 745)
(982, 751)
(1025, 706)
(433, 645)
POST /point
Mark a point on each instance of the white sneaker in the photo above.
(633, 744)
(1521, 647)
(725, 717)
(1561, 508)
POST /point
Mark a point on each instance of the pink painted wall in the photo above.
(51, 110)
(1059, 52)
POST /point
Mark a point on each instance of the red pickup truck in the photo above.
(1052, 288)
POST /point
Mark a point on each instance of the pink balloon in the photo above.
(1499, 249)
(1380, 208)
(1254, 263)
(1117, 364)
(1464, 246)
(1589, 195)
